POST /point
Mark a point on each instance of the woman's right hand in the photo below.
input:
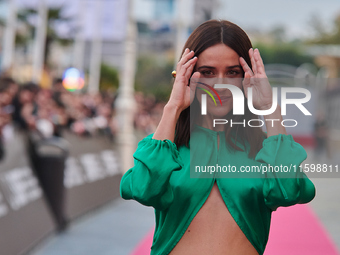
(182, 95)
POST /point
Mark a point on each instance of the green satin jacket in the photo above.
(161, 178)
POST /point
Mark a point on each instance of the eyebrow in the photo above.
(211, 67)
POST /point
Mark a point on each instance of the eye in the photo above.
(233, 72)
(207, 72)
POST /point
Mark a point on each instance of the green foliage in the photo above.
(54, 15)
(154, 77)
(21, 39)
(322, 36)
(283, 53)
(109, 78)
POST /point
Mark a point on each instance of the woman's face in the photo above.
(221, 64)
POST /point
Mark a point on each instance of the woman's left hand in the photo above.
(256, 79)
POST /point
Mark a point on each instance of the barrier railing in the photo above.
(46, 183)
(25, 218)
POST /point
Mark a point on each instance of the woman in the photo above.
(215, 215)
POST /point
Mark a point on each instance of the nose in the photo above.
(221, 75)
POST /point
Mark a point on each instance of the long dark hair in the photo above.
(208, 34)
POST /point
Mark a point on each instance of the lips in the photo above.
(223, 98)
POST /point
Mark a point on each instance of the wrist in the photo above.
(276, 114)
(172, 109)
(267, 106)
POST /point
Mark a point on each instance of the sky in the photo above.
(261, 15)
(265, 14)
(293, 14)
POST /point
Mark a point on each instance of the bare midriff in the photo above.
(214, 231)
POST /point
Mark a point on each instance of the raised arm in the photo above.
(287, 186)
(181, 97)
(157, 156)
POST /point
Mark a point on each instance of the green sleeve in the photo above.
(284, 188)
(148, 180)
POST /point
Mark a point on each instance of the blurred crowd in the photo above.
(50, 111)
(148, 114)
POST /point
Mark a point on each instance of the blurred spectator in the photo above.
(23, 106)
(149, 113)
(50, 111)
(8, 89)
(320, 136)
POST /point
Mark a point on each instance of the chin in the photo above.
(218, 113)
(219, 110)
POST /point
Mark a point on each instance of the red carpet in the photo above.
(143, 248)
(294, 231)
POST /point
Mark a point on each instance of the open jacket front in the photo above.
(161, 178)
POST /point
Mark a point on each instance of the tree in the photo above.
(109, 78)
(55, 16)
(323, 35)
(154, 76)
(283, 53)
